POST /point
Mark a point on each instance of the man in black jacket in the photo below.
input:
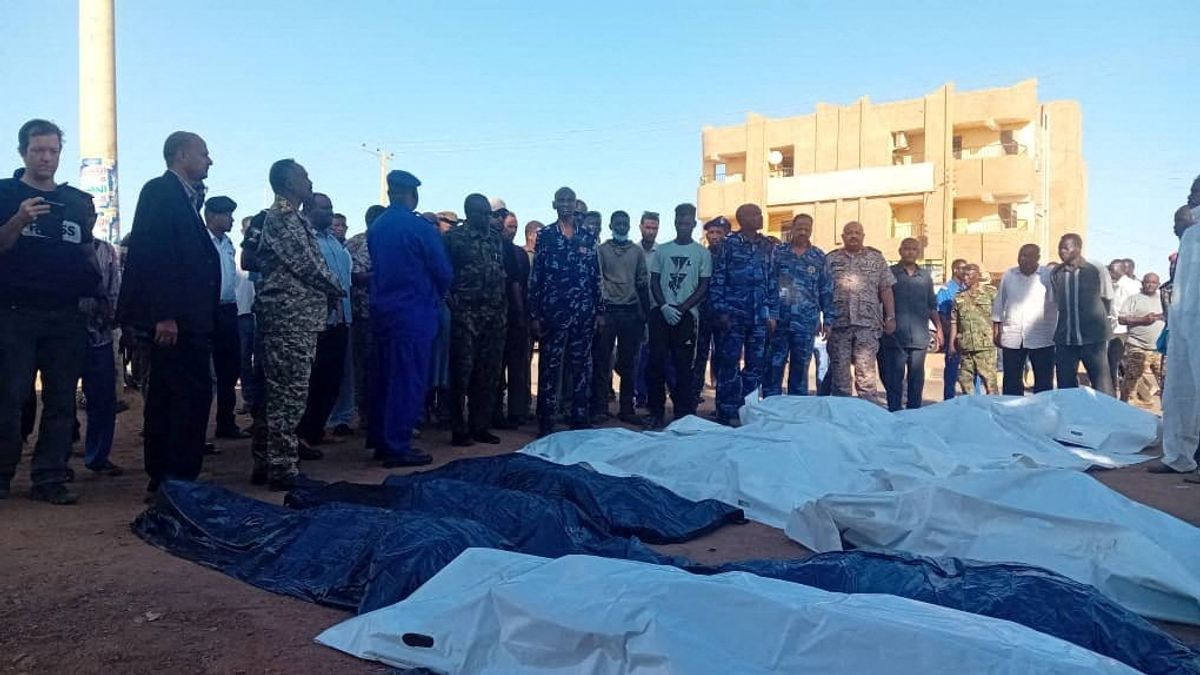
(46, 264)
(171, 290)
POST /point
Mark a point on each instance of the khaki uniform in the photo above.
(854, 338)
(972, 313)
(1143, 374)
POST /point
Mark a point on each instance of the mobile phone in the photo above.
(56, 208)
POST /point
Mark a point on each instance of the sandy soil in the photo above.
(80, 594)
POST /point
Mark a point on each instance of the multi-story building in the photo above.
(971, 174)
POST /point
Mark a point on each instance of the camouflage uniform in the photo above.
(291, 307)
(854, 337)
(564, 296)
(478, 321)
(805, 293)
(972, 314)
(746, 289)
(360, 328)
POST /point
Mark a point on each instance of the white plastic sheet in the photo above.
(499, 612)
(1060, 520)
(993, 431)
(822, 465)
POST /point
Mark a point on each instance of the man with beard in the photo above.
(865, 309)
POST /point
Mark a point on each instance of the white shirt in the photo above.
(1025, 308)
(1181, 389)
(227, 255)
(1123, 289)
(244, 293)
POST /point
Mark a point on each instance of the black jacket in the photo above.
(172, 270)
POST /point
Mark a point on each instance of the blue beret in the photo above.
(402, 179)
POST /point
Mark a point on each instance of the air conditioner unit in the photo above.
(900, 140)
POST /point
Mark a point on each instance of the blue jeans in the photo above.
(343, 409)
(250, 384)
(99, 386)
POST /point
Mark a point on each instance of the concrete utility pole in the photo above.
(384, 158)
(98, 114)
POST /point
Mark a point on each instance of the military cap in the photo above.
(402, 179)
(220, 204)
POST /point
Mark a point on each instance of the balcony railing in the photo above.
(965, 226)
(991, 150)
(725, 178)
(781, 172)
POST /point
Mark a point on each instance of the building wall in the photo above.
(842, 163)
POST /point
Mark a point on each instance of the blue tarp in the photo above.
(529, 522)
(366, 546)
(336, 554)
(625, 507)
(1031, 596)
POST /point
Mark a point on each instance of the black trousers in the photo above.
(1116, 352)
(1094, 357)
(1042, 361)
(54, 343)
(899, 364)
(178, 399)
(517, 358)
(324, 382)
(227, 364)
(623, 328)
(678, 343)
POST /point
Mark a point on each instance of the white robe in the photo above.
(1181, 408)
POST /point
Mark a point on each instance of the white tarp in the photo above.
(493, 611)
(834, 462)
(992, 431)
(793, 449)
(1060, 520)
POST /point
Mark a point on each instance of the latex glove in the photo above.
(671, 314)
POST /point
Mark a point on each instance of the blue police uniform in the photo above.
(410, 273)
(805, 293)
(745, 289)
(564, 296)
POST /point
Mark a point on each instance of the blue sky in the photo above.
(514, 99)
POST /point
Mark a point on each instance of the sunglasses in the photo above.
(447, 221)
(501, 213)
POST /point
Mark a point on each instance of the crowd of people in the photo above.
(428, 319)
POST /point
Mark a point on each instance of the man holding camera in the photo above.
(47, 264)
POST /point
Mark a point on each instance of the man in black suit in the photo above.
(171, 291)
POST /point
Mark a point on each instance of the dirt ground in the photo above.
(80, 594)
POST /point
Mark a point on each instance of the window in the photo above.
(719, 172)
(958, 147)
(1007, 142)
(1005, 210)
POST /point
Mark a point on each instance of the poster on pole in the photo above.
(98, 177)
